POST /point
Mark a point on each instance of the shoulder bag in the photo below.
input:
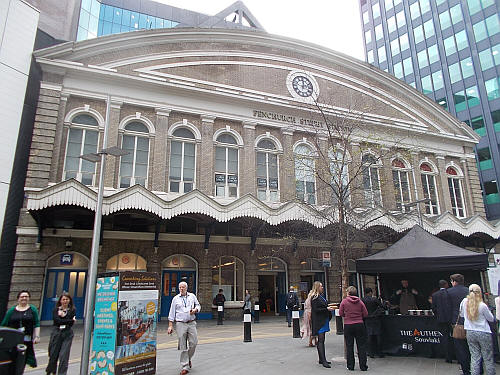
(458, 329)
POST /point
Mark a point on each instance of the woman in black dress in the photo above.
(320, 320)
(62, 335)
(25, 317)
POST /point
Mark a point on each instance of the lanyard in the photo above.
(184, 300)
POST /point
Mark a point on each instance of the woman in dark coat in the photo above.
(320, 320)
(62, 335)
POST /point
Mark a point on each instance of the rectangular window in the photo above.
(480, 32)
(477, 124)
(376, 10)
(444, 20)
(425, 6)
(429, 28)
(443, 103)
(439, 2)
(395, 47)
(414, 10)
(495, 116)
(461, 38)
(474, 6)
(407, 66)
(401, 19)
(456, 14)
(493, 25)
(484, 157)
(460, 102)
(437, 80)
(403, 41)
(449, 46)
(493, 88)
(423, 61)
(379, 33)
(368, 37)
(381, 54)
(369, 56)
(391, 24)
(454, 70)
(467, 67)
(365, 18)
(388, 5)
(418, 34)
(433, 53)
(472, 96)
(427, 85)
(398, 70)
(486, 59)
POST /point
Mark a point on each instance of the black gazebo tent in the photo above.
(420, 251)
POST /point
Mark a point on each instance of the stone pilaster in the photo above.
(247, 174)
(206, 156)
(472, 188)
(446, 201)
(161, 160)
(287, 171)
(112, 163)
(205, 283)
(386, 182)
(57, 163)
(323, 190)
(417, 183)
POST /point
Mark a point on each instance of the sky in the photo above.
(334, 24)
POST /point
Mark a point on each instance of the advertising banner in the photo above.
(494, 275)
(137, 319)
(105, 318)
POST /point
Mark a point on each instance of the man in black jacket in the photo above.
(442, 310)
(457, 293)
(373, 323)
(292, 303)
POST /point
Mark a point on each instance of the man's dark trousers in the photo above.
(446, 340)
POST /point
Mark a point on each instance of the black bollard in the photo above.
(220, 315)
(247, 326)
(339, 324)
(256, 313)
(296, 325)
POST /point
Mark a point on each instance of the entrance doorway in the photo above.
(272, 275)
(267, 294)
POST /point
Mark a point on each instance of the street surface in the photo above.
(221, 351)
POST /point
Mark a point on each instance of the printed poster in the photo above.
(104, 339)
(494, 275)
(137, 319)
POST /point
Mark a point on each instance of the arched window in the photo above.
(428, 177)
(270, 264)
(456, 192)
(228, 274)
(134, 165)
(126, 262)
(401, 184)
(182, 161)
(179, 261)
(267, 171)
(371, 181)
(226, 166)
(305, 187)
(339, 177)
(82, 139)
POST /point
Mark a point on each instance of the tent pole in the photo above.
(378, 286)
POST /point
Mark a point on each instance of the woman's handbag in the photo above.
(458, 330)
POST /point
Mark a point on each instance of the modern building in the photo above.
(217, 124)
(450, 51)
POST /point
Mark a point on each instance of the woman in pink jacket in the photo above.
(353, 310)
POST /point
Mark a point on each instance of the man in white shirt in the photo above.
(182, 311)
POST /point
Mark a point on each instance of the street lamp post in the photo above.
(419, 213)
(94, 253)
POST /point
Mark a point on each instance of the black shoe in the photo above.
(350, 369)
(371, 356)
(449, 361)
(327, 364)
(364, 369)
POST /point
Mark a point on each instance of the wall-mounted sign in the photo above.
(261, 182)
(232, 179)
(220, 179)
(66, 259)
(325, 259)
(273, 183)
(290, 119)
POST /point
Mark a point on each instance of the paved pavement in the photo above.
(221, 351)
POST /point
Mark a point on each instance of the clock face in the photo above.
(302, 86)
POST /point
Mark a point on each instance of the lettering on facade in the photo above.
(289, 119)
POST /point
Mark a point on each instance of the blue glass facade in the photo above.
(453, 58)
(98, 19)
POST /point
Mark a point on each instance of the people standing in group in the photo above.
(353, 310)
(25, 317)
(457, 293)
(292, 303)
(442, 311)
(61, 337)
(373, 323)
(182, 311)
(320, 320)
(476, 317)
(305, 329)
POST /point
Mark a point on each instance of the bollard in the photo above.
(296, 325)
(256, 313)
(220, 315)
(247, 326)
(339, 324)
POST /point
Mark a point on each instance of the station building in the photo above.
(210, 193)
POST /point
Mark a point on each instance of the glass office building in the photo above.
(450, 51)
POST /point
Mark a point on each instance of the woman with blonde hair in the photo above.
(305, 330)
(476, 317)
(320, 320)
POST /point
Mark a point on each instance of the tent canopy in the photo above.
(420, 251)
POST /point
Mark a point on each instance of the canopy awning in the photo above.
(420, 251)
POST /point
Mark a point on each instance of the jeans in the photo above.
(289, 315)
(358, 332)
(59, 348)
(481, 347)
(463, 355)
